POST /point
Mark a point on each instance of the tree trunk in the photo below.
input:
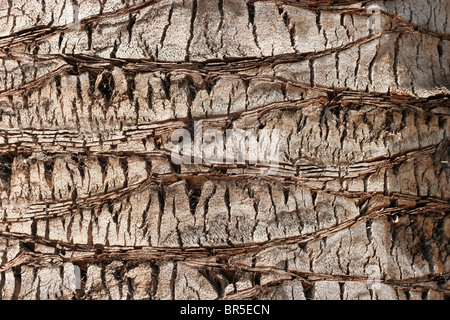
(95, 206)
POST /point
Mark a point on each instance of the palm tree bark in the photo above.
(92, 206)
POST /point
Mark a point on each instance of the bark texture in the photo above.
(91, 91)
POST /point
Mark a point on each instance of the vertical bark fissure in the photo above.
(251, 20)
(166, 27)
(191, 29)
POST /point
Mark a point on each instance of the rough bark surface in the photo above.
(358, 209)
